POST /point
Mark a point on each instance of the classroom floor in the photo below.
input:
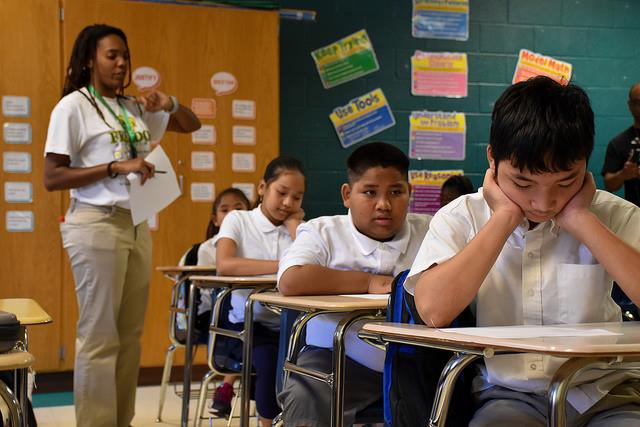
(146, 411)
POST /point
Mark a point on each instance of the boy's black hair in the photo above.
(542, 126)
(376, 154)
(461, 183)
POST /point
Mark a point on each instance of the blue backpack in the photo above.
(411, 373)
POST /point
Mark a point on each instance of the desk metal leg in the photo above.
(247, 354)
(186, 388)
(15, 412)
(337, 385)
(446, 384)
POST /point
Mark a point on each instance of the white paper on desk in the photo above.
(367, 296)
(531, 332)
(156, 193)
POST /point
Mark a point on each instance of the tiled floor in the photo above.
(146, 412)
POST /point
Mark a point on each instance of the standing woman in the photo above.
(96, 137)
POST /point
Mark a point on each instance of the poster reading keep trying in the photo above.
(362, 117)
(345, 60)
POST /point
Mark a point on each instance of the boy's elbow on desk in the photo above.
(288, 285)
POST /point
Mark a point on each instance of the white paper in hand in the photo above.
(156, 193)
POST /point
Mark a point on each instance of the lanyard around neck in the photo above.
(124, 120)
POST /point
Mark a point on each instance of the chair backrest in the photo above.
(411, 373)
(225, 353)
(629, 309)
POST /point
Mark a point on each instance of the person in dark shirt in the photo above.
(621, 161)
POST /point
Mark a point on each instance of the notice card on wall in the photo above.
(362, 117)
(437, 135)
(439, 74)
(426, 186)
(346, 59)
(440, 19)
(19, 221)
(532, 64)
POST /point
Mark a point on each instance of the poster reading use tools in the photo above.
(532, 64)
(440, 19)
(362, 117)
(439, 74)
(437, 135)
(426, 186)
(345, 60)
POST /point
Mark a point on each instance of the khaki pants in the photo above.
(111, 263)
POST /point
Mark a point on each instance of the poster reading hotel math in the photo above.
(532, 64)
(362, 117)
(437, 135)
(426, 186)
(345, 60)
(439, 74)
(440, 19)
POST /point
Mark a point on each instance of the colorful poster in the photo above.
(345, 60)
(362, 117)
(439, 74)
(532, 64)
(440, 19)
(437, 135)
(426, 185)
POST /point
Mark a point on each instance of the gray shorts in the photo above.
(307, 402)
(504, 407)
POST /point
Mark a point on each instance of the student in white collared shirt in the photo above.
(344, 254)
(537, 245)
(250, 243)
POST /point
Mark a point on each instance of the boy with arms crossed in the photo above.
(537, 245)
(359, 252)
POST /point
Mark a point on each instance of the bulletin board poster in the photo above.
(362, 117)
(437, 135)
(531, 64)
(345, 60)
(426, 186)
(440, 19)
(439, 74)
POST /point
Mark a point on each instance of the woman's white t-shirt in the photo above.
(77, 130)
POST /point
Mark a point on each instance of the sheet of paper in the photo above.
(368, 296)
(531, 332)
(156, 193)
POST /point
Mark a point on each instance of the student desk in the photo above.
(257, 284)
(178, 274)
(603, 352)
(357, 306)
(29, 313)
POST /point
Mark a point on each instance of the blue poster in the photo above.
(440, 19)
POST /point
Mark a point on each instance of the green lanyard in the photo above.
(126, 125)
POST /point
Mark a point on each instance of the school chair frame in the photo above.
(18, 361)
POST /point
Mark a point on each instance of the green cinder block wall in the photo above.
(601, 38)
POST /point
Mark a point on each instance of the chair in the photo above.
(629, 309)
(18, 361)
(224, 355)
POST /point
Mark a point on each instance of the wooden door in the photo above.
(187, 45)
(31, 261)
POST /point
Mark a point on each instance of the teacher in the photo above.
(97, 136)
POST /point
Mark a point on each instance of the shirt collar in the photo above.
(523, 227)
(261, 221)
(367, 245)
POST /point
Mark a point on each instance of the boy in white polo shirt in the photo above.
(359, 252)
(537, 245)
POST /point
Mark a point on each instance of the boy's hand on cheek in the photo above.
(497, 200)
(578, 204)
(380, 284)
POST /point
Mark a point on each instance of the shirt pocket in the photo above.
(582, 292)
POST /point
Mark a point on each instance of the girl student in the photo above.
(228, 200)
(250, 243)
(96, 137)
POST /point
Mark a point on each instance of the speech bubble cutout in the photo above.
(224, 83)
(146, 78)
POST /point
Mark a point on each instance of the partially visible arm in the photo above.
(183, 120)
(293, 221)
(613, 181)
(617, 257)
(315, 279)
(58, 175)
(228, 264)
(444, 290)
